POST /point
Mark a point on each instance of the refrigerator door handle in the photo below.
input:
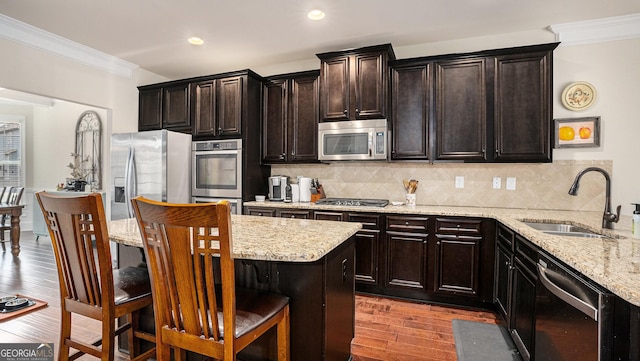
(130, 181)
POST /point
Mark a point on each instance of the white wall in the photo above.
(611, 67)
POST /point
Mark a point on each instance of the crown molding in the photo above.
(14, 30)
(599, 30)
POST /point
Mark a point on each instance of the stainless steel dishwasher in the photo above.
(574, 317)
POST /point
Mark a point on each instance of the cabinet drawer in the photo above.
(505, 236)
(369, 221)
(300, 214)
(262, 212)
(407, 224)
(526, 251)
(327, 216)
(457, 226)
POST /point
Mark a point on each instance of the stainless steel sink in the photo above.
(563, 229)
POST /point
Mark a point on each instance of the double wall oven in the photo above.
(217, 172)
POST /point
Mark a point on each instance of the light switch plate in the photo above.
(511, 183)
(459, 181)
(497, 182)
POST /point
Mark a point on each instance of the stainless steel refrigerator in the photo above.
(155, 164)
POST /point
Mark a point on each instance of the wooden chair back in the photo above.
(78, 230)
(75, 224)
(181, 243)
(15, 195)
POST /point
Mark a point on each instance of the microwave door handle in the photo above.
(370, 144)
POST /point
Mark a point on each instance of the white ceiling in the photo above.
(242, 34)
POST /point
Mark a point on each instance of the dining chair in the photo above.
(88, 284)
(12, 196)
(182, 244)
(4, 198)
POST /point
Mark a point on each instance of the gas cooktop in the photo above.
(352, 202)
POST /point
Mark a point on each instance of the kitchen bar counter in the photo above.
(263, 238)
(612, 262)
(312, 262)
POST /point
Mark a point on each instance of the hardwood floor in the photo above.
(386, 329)
(394, 330)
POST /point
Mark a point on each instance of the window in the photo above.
(11, 150)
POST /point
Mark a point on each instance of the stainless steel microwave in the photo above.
(353, 140)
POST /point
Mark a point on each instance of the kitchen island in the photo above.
(310, 261)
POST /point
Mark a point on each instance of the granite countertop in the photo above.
(612, 262)
(264, 238)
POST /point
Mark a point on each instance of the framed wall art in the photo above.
(577, 132)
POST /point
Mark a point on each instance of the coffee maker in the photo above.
(278, 187)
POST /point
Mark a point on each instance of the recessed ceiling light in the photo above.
(196, 41)
(316, 15)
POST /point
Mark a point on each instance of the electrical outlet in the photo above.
(459, 181)
(497, 182)
(511, 183)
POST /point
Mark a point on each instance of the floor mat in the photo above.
(477, 341)
(33, 305)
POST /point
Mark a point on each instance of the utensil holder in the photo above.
(410, 199)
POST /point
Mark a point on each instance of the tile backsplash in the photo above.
(537, 186)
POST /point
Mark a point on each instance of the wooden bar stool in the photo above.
(182, 243)
(88, 284)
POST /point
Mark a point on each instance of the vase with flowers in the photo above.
(78, 171)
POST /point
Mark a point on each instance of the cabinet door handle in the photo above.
(357, 111)
(345, 112)
(282, 156)
(220, 130)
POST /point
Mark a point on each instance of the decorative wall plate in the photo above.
(579, 95)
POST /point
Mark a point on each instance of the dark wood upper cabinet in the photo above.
(204, 113)
(176, 108)
(523, 106)
(208, 107)
(353, 83)
(164, 107)
(230, 106)
(410, 108)
(460, 110)
(218, 107)
(473, 107)
(150, 108)
(274, 120)
(290, 118)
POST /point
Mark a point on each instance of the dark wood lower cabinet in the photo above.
(523, 308)
(437, 259)
(515, 287)
(407, 256)
(368, 251)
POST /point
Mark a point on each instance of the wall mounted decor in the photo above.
(579, 95)
(577, 132)
(89, 146)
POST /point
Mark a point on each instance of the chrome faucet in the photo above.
(608, 218)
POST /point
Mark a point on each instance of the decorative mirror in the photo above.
(89, 146)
